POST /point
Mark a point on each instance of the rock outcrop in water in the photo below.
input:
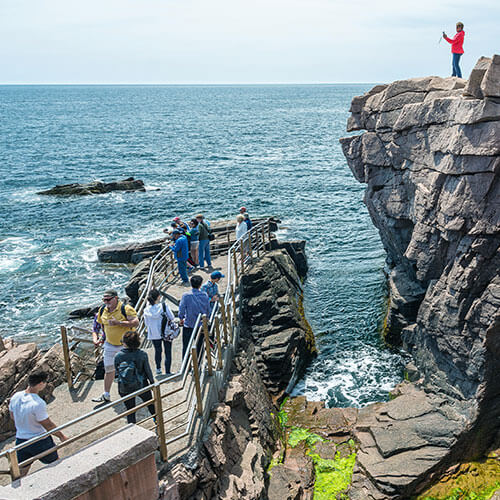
(430, 156)
(96, 187)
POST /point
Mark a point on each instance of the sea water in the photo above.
(271, 148)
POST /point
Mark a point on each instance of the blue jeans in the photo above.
(167, 347)
(205, 253)
(182, 265)
(455, 66)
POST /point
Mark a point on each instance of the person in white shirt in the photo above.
(241, 227)
(29, 412)
(153, 317)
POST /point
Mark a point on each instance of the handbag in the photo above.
(169, 328)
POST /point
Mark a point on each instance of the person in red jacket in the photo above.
(457, 48)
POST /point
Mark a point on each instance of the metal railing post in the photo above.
(208, 352)
(160, 426)
(224, 318)
(196, 373)
(15, 472)
(268, 232)
(219, 346)
(233, 317)
(67, 361)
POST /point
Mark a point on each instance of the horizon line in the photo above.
(188, 84)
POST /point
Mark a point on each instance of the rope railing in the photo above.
(207, 359)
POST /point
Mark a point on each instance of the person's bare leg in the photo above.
(108, 380)
(195, 256)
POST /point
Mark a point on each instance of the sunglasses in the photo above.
(108, 299)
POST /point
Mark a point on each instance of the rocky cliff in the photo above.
(430, 156)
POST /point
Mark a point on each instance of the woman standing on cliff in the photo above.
(457, 49)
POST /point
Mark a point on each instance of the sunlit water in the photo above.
(273, 149)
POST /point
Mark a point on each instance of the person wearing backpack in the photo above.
(205, 237)
(134, 373)
(115, 318)
(160, 324)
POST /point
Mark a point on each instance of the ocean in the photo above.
(211, 149)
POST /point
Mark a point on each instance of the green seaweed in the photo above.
(298, 434)
(461, 494)
(332, 476)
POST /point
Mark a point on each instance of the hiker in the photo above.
(115, 319)
(134, 373)
(457, 49)
(29, 412)
(192, 303)
(241, 227)
(205, 237)
(246, 215)
(181, 252)
(157, 318)
(211, 287)
(182, 226)
(195, 241)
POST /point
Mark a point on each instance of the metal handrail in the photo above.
(196, 365)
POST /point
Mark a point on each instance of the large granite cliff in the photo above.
(430, 156)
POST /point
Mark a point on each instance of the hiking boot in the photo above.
(102, 399)
(158, 371)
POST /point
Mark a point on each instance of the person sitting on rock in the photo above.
(29, 412)
(211, 287)
(115, 318)
(457, 49)
(181, 253)
(192, 304)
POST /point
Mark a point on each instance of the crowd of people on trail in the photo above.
(190, 242)
(114, 328)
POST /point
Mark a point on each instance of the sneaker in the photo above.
(158, 371)
(186, 283)
(101, 399)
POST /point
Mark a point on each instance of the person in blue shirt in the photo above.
(181, 253)
(192, 303)
(211, 287)
(246, 218)
(195, 241)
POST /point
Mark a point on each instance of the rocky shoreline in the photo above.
(95, 187)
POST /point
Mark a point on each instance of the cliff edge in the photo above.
(430, 156)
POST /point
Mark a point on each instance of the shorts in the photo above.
(36, 448)
(110, 351)
(195, 244)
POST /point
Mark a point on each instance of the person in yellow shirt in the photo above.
(115, 319)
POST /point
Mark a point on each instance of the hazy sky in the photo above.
(236, 41)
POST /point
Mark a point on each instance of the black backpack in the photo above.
(129, 378)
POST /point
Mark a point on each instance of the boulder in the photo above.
(127, 253)
(490, 84)
(473, 87)
(95, 187)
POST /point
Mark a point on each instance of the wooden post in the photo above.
(269, 232)
(15, 472)
(257, 238)
(235, 266)
(208, 352)
(196, 373)
(250, 245)
(219, 346)
(160, 426)
(233, 293)
(242, 256)
(172, 263)
(67, 361)
(263, 238)
(224, 318)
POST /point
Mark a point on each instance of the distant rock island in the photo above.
(95, 187)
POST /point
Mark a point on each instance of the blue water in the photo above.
(273, 149)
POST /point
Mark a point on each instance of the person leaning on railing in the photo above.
(29, 412)
(116, 318)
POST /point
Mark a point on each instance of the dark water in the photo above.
(273, 149)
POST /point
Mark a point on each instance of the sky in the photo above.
(236, 41)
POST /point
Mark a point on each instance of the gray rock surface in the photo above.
(430, 156)
(95, 187)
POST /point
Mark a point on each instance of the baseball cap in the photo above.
(110, 293)
(216, 274)
(243, 209)
(176, 231)
(176, 219)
